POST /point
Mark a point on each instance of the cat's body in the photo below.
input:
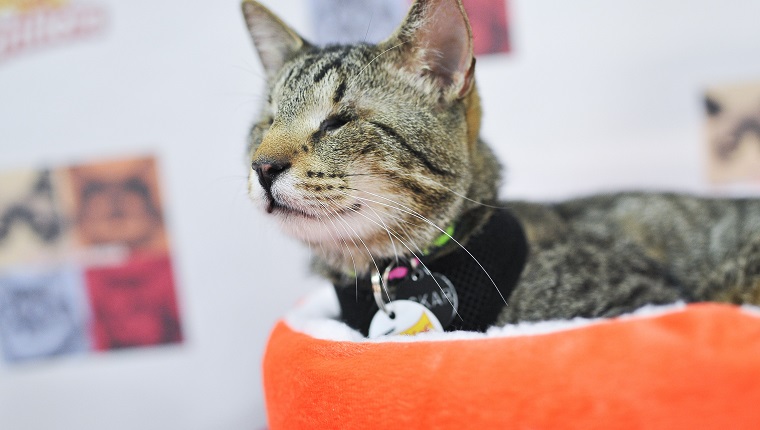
(607, 255)
(367, 153)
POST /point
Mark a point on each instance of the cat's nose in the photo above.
(267, 171)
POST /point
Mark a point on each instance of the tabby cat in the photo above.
(371, 153)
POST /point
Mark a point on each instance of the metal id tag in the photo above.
(433, 291)
(403, 317)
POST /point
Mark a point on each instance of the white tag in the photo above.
(408, 318)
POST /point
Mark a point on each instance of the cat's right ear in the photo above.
(435, 39)
(274, 40)
(712, 106)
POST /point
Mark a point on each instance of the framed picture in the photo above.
(733, 132)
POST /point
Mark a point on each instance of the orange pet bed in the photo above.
(675, 367)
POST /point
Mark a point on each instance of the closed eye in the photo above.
(333, 123)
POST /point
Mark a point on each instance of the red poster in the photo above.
(134, 304)
(490, 28)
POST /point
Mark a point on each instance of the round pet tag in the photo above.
(403, 317)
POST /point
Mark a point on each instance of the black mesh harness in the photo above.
(501, 248)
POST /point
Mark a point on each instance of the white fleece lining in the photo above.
(316, 315)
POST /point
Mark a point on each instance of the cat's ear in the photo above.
(712, 106)
(274, 40)
(436, 39)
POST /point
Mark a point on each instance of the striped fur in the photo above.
(379, 151)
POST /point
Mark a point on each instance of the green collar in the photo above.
(441, 240)
(438, 243)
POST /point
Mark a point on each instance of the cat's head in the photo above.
(365, 148)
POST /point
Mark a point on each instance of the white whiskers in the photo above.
(405, 209)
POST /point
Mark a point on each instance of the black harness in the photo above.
(501, 249)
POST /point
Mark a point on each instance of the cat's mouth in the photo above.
(274, 206)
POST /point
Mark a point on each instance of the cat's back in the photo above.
(685, 232)
(634, 213)
(606, 255)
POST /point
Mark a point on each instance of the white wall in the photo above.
(608, 95)
(597, 95)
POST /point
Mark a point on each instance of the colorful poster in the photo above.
(117, 203)
(490, 28)
(371, 21)
(30, 25)
(31, 224)
(733, 133)
(341, 21)
(43, 314)
(85, 263)
(134, 304)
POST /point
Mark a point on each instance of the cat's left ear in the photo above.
(274, 40)
(436, 39)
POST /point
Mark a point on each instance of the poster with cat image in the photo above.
(43, 313)
(31, 224)
(349, 21)
(733, 132)
(85, 262)
(117, 203)
(134, 304)
(490, 28)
